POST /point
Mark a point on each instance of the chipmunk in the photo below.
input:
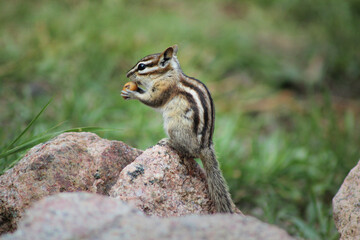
(188, 113)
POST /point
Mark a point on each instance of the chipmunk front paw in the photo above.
(129, 94)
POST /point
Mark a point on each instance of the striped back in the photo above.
(202, 104)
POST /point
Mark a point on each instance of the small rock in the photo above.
(90, 216)
(346, 206)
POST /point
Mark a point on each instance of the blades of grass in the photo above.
(41, 138)
(28, 126)
(321, 216)
(307, 231)
(44, 137)
(26, 145)
(54, 127)
(90, 129)
(331, 231)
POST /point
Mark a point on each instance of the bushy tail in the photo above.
(218, 189)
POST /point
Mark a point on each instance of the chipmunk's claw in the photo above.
(128, 94)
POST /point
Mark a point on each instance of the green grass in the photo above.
(284, 138)
(289, 175)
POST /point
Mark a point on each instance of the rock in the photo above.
(159, 183)
(346, 206)
(67, 163)
(90, 216)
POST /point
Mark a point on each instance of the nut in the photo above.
(131, 86)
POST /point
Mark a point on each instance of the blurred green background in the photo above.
(284, 76)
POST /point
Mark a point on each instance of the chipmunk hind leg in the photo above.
(183, 142)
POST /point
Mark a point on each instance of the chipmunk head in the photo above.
(154, 66)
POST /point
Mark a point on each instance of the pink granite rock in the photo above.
(90, 216)
(346, 206)
(67, 163)
(160, 183)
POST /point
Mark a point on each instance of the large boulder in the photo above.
(160, 183)
(346, 206)
(90, 216)
(70, 162)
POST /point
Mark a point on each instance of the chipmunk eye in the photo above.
(141, 66)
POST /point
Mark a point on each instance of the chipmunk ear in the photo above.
(167, 55)
(175, 47)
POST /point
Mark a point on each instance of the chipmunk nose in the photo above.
(129, 73)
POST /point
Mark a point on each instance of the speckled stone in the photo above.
(90, 216)
(70, 162)
(346, 206)
(160, 183)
